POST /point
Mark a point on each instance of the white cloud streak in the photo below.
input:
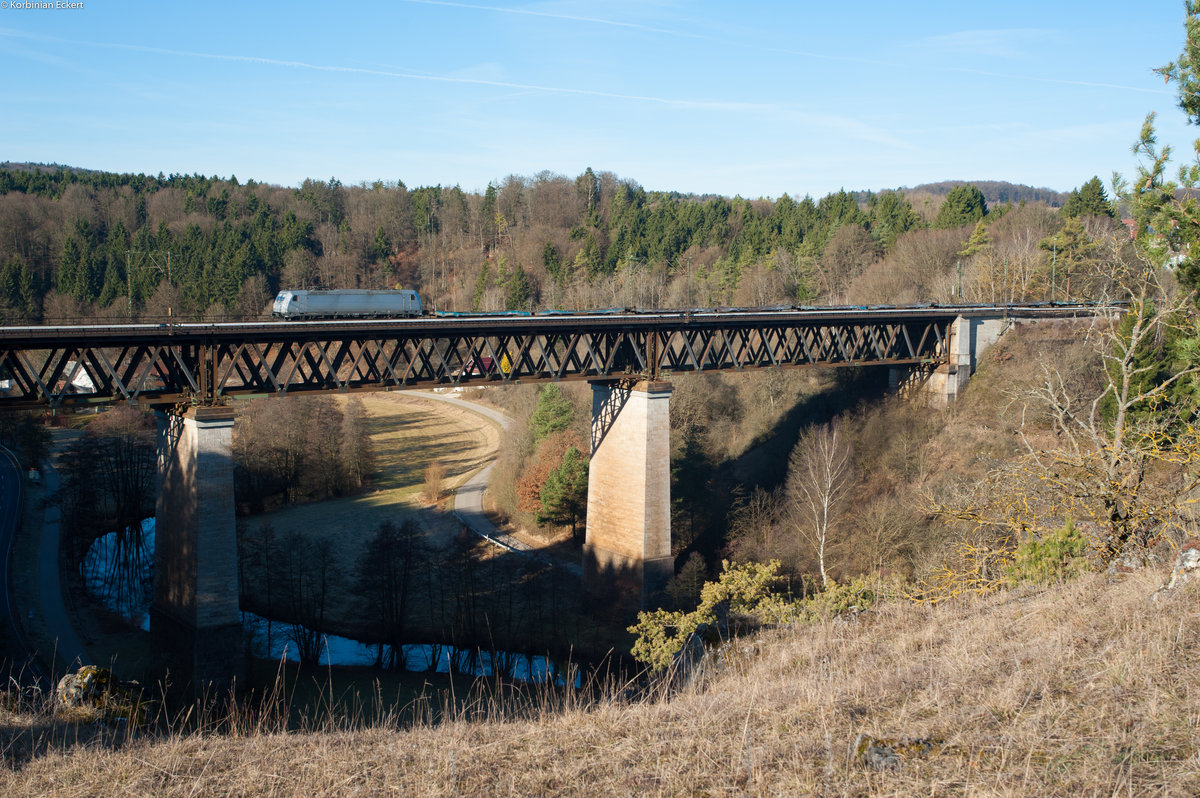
(524, 12)
(995, 42)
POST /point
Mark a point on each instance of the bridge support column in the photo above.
(967, 340)
(627, 554)
(195, 610)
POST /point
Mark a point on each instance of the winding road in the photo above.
(68, 646)
(468, 499)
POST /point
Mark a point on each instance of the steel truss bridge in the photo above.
(206, 364)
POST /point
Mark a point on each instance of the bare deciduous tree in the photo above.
(435, 475)
(1110, 450)
(819, 474)
(1121, 459)
(849, 251)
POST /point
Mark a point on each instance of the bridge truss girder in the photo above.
(199, 366)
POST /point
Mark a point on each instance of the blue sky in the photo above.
(753, 98)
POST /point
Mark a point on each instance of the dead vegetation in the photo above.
(1080, 689)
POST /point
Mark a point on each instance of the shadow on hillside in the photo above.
(764, 465)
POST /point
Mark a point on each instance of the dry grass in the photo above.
(1080, 690)
(409, 434)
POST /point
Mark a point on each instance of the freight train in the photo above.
(349, 304)
(363, 304)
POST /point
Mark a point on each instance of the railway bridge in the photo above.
(190, 373)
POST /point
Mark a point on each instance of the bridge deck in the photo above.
(169, 364)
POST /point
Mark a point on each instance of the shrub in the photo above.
(746, 590)
(837, 599)
(746, 587)
(1054, 557)
(435, 475)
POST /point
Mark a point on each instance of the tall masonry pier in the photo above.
(627, 552)
(195, 610)
(967, 340)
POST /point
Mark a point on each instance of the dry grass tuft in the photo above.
(1084, 689)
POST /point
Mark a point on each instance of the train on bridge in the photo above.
(390, 348)
(314, 305)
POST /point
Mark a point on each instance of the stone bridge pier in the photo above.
(966, 341)
(194, 615)
(627, 551)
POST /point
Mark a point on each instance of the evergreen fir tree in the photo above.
(980, 241)
(891, 215)
(519, 292)
(553, 413)
(1088, 200)
(1167, 221)
(963, 205)
(564, 496)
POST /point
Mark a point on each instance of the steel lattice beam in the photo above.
(208, 363)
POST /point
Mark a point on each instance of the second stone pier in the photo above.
(627, 552)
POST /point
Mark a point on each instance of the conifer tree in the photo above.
(552, 262)
(552, 414)
(1167, 222)
(1088, 200)
(564, 496)
(891, 215)
(1070, 251)
(980, 241)
(518, 291)
(963, 205)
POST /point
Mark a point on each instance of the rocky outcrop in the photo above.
(92, 693)
(1186, 569)
(889, 753)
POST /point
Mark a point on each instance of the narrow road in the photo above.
(68, 644)
(468, 499)
(22, 665)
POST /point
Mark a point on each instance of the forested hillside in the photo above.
(78, 244)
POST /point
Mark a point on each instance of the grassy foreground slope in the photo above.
(1082, 689)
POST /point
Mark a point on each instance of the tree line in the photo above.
(76, 244)
(292, 449)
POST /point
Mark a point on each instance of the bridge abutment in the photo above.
(966, 342)
(195, 611)
(627, 552)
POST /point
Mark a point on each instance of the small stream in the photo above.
(130, 597)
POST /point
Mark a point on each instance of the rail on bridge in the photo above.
(209, 363)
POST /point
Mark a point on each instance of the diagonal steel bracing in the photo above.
(207, 363)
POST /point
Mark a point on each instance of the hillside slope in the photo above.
(1074, 690)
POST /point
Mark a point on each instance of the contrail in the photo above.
(714, 105)
(551, 15)
(697, 104)
(1061, 81)
(783, 50)
(850, 126)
